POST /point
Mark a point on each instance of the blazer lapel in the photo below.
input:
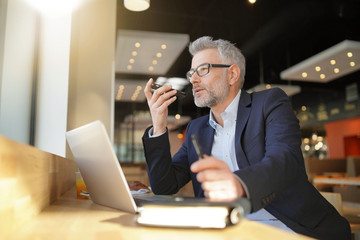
(207, 138)
(241, 120)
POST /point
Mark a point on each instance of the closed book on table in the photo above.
(193, 213)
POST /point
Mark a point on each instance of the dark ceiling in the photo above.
(283, 32)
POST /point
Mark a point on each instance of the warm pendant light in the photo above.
(137, 5)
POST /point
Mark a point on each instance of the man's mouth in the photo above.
(197, 90)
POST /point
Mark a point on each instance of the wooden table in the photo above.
(69, 218)
(350, 181)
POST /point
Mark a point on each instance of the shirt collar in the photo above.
(229, 113)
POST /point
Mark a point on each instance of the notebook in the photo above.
(100, 168)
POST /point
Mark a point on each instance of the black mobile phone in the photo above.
(197, 146)
(178, 93)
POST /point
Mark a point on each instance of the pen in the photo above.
(197, 146)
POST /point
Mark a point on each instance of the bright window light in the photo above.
(54, 6)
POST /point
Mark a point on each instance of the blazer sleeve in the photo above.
(166, 176)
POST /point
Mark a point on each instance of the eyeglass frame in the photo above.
(209, 65)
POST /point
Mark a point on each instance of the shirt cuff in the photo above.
(244, 186)
(154, 136)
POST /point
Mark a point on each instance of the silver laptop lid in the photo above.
(99, 167)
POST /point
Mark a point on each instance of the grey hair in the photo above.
(229, 53)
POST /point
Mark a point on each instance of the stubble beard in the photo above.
(214, 96)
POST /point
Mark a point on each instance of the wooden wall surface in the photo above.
(30, 179)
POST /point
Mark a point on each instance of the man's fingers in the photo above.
(147, 89)
(164, 100)
(216, 185)
(207, 163)
(211, 175)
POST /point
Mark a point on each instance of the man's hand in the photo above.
(159, 102)
(217, 180)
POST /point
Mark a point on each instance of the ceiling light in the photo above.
(134, 53)
(154, 62)
(150, 45)
(151, 68)
(344, 54)
(159, 55)
(137, 45)
(133, 89)
(137, 5)
(163, 46)
(131, 60)
(288, 89)
(120, 92)
(129, 67)
(336, 70)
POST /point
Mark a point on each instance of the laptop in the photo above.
(100, 168)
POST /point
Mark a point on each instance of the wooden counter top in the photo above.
(36, 204)
(69, 218)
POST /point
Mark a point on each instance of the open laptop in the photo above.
(100, 168)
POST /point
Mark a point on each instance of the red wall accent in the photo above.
(352, 146)
(335, 134)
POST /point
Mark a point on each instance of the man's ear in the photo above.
(234, 74)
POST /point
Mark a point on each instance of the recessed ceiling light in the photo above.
(163, 46)
(151, 68)
(159, 55)
(150, 43)
(129, 67)
(154, 62)
(120, 92)
(322, 62)
(131, 60)
(304, 74)
(132, 86)
(336, 70)
(137, 44)
(134, 53)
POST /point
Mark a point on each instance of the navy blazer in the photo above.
(268, 153)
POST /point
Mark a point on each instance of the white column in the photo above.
(18, 33)
(91, 87)
(53, 79)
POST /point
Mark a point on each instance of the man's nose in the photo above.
(194, 79)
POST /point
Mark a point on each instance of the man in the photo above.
(251, 144)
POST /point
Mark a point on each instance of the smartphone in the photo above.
(197, 146)
(178, 93)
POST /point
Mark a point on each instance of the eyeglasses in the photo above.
(204, 69)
